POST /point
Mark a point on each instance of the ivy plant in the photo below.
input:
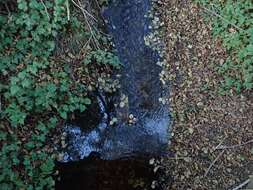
(232, 22)
(37, 91)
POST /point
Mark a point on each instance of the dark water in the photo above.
(121, 150)
(140, 89)
(97, 174)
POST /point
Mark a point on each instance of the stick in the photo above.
(209, 168)
(242, 185)
(215, 14)
(8, 10)
(68, 11)
(80, 7)
(177, 158)
(219, 144)
(87, 21)
(45, 7)
(234, 146)
(98, 4)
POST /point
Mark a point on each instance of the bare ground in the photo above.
(212, 136)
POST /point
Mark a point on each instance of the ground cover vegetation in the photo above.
(232, 22)
(51, 56)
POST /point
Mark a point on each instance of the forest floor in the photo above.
(212, 134)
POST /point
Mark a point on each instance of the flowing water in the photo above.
(141, 132)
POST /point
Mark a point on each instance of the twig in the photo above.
(87, 21)
(45, 7)
(177, 158)
(234, 146)
(7, 8)
(0, 105)
(85, 45)
(219, 144)
(215, 14)
(68, 11)
(86, 12)
(98, 4)
(209, 168)
(242, 185)
(89, 14)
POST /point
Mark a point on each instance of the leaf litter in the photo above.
(211, 143)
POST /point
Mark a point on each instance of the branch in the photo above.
(242, 185)
(8, 10)
(209, 168)
(68, 11)
(219, 144)
(85, 13)
(45, 7)
(217, 15)
(82, 9)
(234, 146)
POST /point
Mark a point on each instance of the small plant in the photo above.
(232, 22)
(38, 89)
(102, 57)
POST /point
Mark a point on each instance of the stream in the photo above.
(117, 156)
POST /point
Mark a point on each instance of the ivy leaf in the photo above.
(63, 114)
(87, 101)
(82, 107)
(14, 89)
(22, 5)
(51, 88)
(26, 83)
(47, 167)
(30, 145)
(33, 69)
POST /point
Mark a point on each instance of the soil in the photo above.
(212, 136)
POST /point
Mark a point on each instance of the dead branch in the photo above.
(215, 160)
(7, 8)
(225, 20)
(68, 11)
(221, 147)
(85, 13)
(242, 185)
(219, 144)
(45, 7)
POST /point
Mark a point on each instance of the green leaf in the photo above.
(87, 101)
(51, 88)
(26, 83)
(14, 89)
(22, 5)
(47, 167)
(63, 114)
